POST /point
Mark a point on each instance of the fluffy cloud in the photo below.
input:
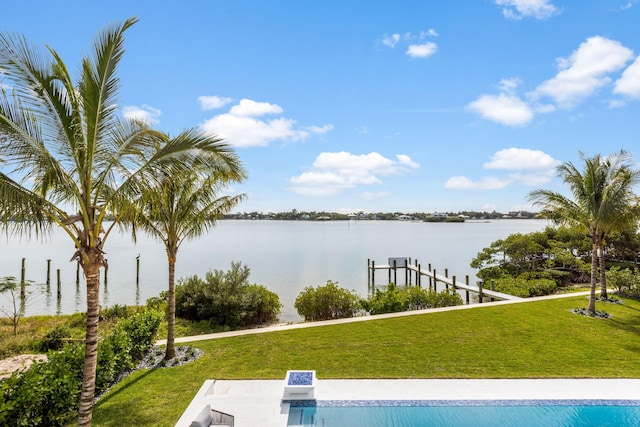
(244, 125)
(333, 173)
(503, 108)
(629, 83)
(213, 102)
(531, 168)
(521, 159)
(585, 71)
(580, 76)
(422, 50)
(417, 46)
(144, 114)
(518, 9)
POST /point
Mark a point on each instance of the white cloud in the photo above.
(504, 108)
(251, 108)
(521, 159)
(406, 160)
(518, 9)
(244, 126)
(539, 168)
(585, 71)
(145, 113)
(464, 183)
(391, 40)
(629, 83)
(422, 50)
(509, 85)
(213, 102)
(332, 173)
(319, 129)
(417, 47)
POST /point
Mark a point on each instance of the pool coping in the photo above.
(260, 402)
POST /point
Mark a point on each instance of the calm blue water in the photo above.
(284, 256)
(519, 415)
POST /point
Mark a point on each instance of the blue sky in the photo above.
(410, 106)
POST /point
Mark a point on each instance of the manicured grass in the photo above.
(533, 340)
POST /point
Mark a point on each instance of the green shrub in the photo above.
(327, 302)
(226, 299)
(562, 278)
(47, 393)
(624, 281)
(393, 299)
(54, 339)
(523, 287)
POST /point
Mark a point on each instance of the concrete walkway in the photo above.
(302, 325)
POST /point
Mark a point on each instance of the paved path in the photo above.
(301, 325)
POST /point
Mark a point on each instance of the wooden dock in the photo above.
(414, 274)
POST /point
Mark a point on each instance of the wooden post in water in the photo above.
(138, 269)
(77, 273)
(435, 281)
(466, 280)
(48, 272)
(368, 273)
(446, 274)
(106, 272)
(429, 276)
(23, 271)
(59, 284)
(419, 275)
(453, 278)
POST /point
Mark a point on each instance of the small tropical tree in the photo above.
(603, 202)
(66, 149)
(184, 206)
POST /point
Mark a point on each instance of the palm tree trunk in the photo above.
(594, 272)
(603, 276)
(171, 309)
(85, 409)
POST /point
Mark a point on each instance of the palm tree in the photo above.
(184, 206)
(66, 148)
(603, 202)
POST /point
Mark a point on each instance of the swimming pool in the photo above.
(471, 413)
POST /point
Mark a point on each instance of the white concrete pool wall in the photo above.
(259, 402)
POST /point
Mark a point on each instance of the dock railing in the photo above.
(414, 274)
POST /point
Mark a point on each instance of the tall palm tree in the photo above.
(603, 202)
(184, 206)
(66, 149)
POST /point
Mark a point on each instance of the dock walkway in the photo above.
(414, 273)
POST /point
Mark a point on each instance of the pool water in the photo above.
(464, 413)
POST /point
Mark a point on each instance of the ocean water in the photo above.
(284, 256)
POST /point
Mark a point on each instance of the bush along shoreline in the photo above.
(333, 302)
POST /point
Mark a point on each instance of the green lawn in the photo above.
(533, 340)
